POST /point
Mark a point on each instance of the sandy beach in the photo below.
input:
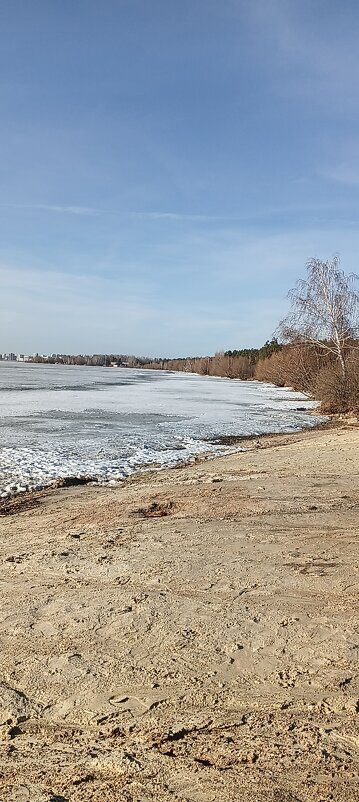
(191, 634)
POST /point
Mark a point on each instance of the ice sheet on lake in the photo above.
(60, 421)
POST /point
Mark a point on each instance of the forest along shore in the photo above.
(189, 635)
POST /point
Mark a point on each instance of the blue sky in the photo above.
(168, 166)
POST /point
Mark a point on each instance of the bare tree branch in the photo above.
(324, 310)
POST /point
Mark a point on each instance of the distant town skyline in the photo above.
(168, 168)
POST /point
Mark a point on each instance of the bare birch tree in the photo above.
(324, 310)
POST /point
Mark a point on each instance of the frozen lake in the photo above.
(58, 421)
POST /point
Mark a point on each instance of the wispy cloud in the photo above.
(90, 211)
(86, 211)
(342, 173)
(178, 217)
(346, 173)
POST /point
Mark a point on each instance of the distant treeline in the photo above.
(92, 360)
(237, 364)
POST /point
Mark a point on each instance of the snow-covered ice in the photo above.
(61, 421)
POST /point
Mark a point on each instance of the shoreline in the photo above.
(20, 500)
(33, 468)
(191, 634)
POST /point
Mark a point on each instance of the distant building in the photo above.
(13, 357)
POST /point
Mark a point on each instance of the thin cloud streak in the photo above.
(87, 211)
(346, 174)
(343, 174)
(178, 217)
(93, 212)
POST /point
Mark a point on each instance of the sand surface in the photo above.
(190, 635)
